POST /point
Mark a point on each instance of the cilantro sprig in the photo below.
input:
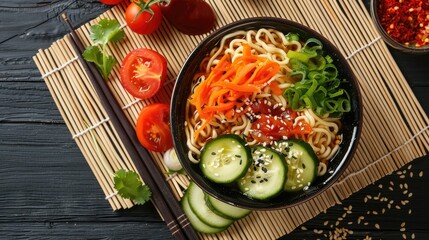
(129, 186)
(126, 182)
(107, 30)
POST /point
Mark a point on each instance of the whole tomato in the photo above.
(192, 17)
(143, 17)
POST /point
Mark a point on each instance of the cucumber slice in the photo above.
(224, 209)
(301, 161)
(196, 223)
(225, 159)
(266, 175)
(198, 205)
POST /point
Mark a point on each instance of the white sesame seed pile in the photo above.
(388, 198)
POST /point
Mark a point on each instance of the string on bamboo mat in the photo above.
(387, 101)
(363, 47)
(60, 67)
(90, 128)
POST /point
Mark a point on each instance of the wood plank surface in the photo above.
(49, 192)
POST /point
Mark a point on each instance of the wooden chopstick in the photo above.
(162, 196)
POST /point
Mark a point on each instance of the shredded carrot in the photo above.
(275, 88)
(230, 83)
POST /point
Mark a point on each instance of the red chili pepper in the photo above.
(406, 21)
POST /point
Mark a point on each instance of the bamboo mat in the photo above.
(395, 127)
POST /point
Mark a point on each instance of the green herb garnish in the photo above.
(129, 186)
(318, 86)
(107, 30)
(127, 183)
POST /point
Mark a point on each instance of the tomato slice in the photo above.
(153, 127)
(143, 72)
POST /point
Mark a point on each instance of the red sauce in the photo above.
(406, 21)
(192, 17)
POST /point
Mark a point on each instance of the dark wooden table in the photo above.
(48, 191)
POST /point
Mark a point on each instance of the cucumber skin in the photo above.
(210, 204)
(196, 223)
(194, 187)
(246, 163)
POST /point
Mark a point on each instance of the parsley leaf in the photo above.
(129, 186)
(107, 30)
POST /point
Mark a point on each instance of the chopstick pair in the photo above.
(162, 197)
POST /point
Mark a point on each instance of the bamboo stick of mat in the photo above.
(162, 196)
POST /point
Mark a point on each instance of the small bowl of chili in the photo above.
(403, 24)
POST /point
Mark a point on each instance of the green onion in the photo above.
(301, 56)
(292, 37)
(318, 86)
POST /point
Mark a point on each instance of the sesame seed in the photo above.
(421, 174)
(377, 226)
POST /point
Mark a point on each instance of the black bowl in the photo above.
(350, 128)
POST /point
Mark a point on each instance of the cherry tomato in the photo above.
(141, 20)
(192, 17)
(110, 2)
(143, 72)
(153, 127)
